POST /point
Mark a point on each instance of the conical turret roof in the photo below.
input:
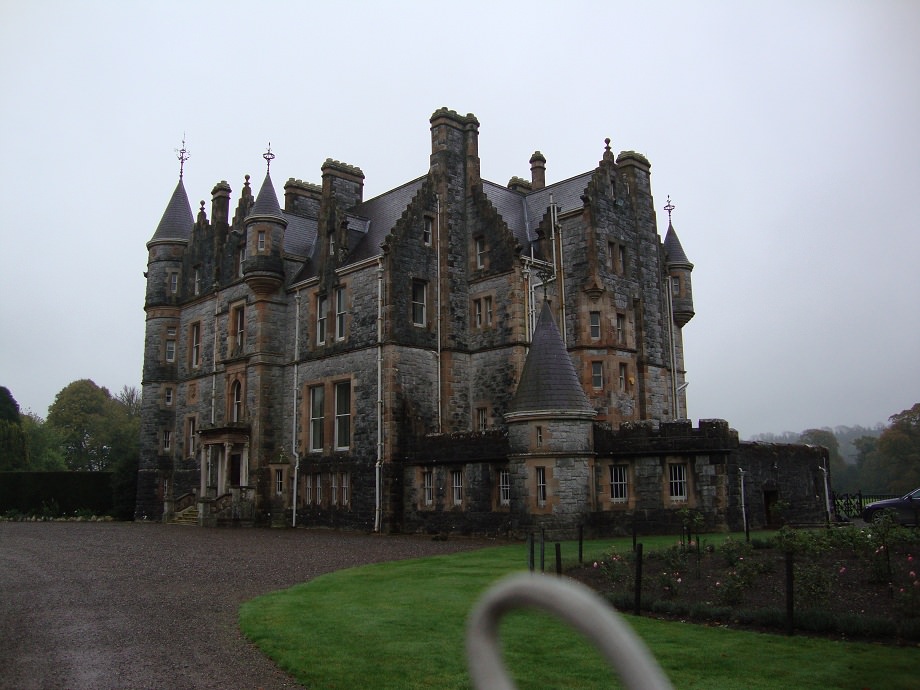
(674, 249)
(267, 201)
(549, 382)
(177, 220)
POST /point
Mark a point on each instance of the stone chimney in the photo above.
(220, 203)
(302, 197)
(537, 170)
(519, 184)
(455, 145)
(343, 180)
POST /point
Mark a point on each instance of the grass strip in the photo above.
(402, 624)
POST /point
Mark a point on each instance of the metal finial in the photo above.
(269, 157)
(669, 207)
(183, 155)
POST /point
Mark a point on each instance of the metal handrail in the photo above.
(575, 604)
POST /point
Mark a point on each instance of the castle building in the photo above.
(452, 355)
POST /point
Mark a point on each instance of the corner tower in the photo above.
(159, 382)
(263, 269)
(550, 435)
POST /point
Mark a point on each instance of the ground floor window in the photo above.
(457, 485)
(428, 487)
(279, 482)
(308, 489)
(504, 487)
(345, 485)
(541, 486)
(677, 481)
(619, 487)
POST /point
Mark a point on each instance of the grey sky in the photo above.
(786, 134)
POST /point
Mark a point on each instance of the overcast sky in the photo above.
(786, 133)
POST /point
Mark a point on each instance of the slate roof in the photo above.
(549, 381)
(300, 235)
(267, 201)
(673, 248)
(376, 218)
(177, 220)
(523, 212)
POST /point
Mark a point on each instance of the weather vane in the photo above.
(669, 207)
(269, 157)
(183, 155)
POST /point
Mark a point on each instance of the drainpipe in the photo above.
(214, 360)
(554, 210)
(438, 272)
(743, 508)
(294, 407)
(827, 498)
(671, 347)
(378, 466)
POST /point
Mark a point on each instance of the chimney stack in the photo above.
(220, 202)
(537, 170)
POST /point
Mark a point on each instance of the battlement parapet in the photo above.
(680, 436)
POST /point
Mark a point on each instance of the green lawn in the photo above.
(401, 625)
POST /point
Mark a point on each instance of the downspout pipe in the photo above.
(378, 489)
(560, 273)
(672, 348)
(743, 507)
(294, 408)
(438, 326)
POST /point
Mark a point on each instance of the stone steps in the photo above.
(189, 516)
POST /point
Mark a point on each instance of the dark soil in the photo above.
(140, 605)
(842, 594)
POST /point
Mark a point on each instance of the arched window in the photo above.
(236, 393)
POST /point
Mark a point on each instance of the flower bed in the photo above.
(861, 583)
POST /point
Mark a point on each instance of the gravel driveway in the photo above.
(135, 605)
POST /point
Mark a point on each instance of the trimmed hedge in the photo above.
(33, 492)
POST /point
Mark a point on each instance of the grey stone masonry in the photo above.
(355, 363)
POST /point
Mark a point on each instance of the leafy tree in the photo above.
(82, 413)
(130, 400)
(14, 453)
(826, 438)
(125, 452)
(899, 444)
(45, 445)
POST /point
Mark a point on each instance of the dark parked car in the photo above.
(907, 508)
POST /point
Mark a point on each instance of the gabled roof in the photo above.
(378, 217)
(523, 212)
(549, 382)
(177, 220)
